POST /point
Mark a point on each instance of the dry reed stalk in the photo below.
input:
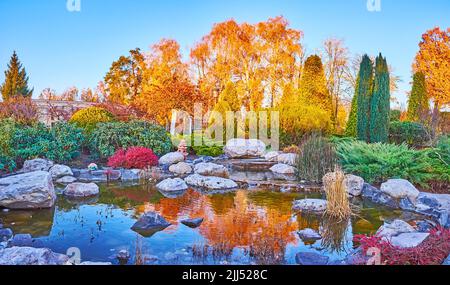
(338, 205)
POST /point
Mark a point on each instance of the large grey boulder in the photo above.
(313, 206)
(211, 169)
(287, 158)
(395, 228)
(150, 223)
(171, 158)
(180, 168)
(59, 170)
(354, 184)
(172, 185)
(407, 240)
(238, 148)
(311, 258)
(38, 164)
(400, 188)
(31, 256)
(32, 190)
(378, 197)
(210, 182)
(81, 190)
(283, 169)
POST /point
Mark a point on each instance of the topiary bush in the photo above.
(411, 133)
(134, 157)
(61, 143)
(107, 138)
(316, 158)
(88, 118)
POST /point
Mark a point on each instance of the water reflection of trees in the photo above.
(233, 221)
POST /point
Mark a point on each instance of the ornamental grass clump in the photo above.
(317, 157)
(338, 205)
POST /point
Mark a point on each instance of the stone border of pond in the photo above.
(175, 174)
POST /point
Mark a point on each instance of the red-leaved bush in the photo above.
(134, 157)
(432, 251)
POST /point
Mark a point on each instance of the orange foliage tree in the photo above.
(260, 59)
(166, 83)
(433, 60)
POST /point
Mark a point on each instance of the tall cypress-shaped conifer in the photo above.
(380, 103)
(353, 117)
(418, 104)
(364, 92)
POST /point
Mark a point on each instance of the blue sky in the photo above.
(61, 49)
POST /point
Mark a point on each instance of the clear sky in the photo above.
(60, 48)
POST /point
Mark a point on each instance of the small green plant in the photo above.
(107, 138)
(317, 157)
(88, 118)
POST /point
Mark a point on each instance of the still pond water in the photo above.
(254, 226)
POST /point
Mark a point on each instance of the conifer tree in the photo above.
(364, 91)
(313, 87)
(350, 130)
(380, 103)
(418, 104)
(16, 80)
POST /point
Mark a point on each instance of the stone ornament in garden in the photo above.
(33, 190)
(242, 148)
(92, 167)
(182, 148)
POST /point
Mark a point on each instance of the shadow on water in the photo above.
(240, 227)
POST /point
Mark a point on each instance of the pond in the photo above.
(254, 226)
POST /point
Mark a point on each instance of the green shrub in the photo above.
(413, 134)
(7, 128)
(88, 118)
(213, 150)
(61, 143)
(317, 157)
(377, 163)
(395, 115)
(109, 137)
(7, 164)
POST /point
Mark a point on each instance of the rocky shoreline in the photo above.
(33, 188)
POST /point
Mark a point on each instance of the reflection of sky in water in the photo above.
(239, 219)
